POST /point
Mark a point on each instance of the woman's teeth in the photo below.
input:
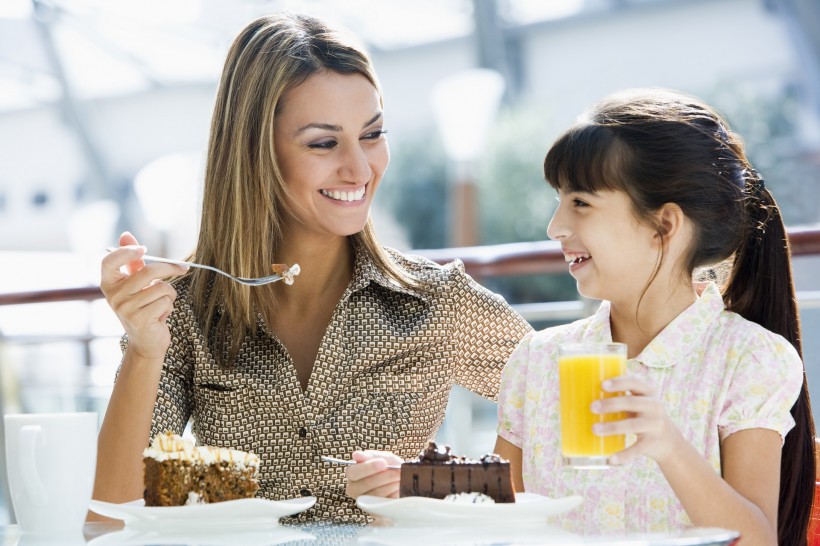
(345, 195)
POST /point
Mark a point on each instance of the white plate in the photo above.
(466, 534)
(695, 536)
(527, 508)
(267, 536)
(243, 512)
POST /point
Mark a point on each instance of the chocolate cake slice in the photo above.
(438, 473)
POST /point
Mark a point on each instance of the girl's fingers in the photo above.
(628, 383)
(629, 454)
(632, 425)
(631, 404)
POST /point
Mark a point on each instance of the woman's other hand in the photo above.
(141, 301)
(370, 476)
(646, 418)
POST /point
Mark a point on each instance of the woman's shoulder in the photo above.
(425, 269)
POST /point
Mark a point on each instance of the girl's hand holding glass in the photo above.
(647, 420)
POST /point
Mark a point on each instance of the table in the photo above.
(114, 534)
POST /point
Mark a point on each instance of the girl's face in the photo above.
(611, 255)
(332, 152)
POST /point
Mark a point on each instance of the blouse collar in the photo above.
(679, 337)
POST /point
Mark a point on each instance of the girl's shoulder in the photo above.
(548, 339)
(750, 338)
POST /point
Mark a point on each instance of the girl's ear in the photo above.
(670, 221)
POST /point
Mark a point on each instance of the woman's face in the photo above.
(332, 152)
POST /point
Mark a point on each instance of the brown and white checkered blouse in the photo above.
(380, 381)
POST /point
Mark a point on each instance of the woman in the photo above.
(358, 354)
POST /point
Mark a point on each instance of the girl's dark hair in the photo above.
(661, 147)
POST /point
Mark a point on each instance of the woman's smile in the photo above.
(345, 196)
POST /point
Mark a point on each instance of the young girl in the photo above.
(652, 187)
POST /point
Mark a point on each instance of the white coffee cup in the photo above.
(51, 459)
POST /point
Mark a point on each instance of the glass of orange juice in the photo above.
(582, 367)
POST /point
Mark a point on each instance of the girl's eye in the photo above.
(579, 203)
(375, 135)
(324, 145)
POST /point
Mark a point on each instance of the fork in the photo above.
(258, 281)
(327, 459)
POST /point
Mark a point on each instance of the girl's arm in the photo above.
(744, 499)
(512, 453)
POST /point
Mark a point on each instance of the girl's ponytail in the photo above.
(761, 290)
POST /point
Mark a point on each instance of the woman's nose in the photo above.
(356, 167)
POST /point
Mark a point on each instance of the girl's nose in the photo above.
(558, 227)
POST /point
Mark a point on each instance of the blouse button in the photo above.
(302, 432)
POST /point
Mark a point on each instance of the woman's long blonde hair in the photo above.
(244, 198)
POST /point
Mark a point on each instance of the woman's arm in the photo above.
(512, 453)
(126, 429)
(142, 303)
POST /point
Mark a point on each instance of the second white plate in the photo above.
(243, 512)
(527, 508)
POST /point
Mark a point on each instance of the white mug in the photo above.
(51, 459)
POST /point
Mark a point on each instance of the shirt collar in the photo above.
(365, 271)
(678, 338)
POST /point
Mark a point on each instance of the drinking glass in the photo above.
(582, 367)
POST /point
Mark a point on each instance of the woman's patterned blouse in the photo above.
(381, 379)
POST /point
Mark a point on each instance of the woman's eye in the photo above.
(324, 145)
(375, 135)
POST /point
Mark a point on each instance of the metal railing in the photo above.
(503, 260)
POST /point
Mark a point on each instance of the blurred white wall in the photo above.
(566, 65)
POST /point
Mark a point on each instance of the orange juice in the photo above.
(581, 371)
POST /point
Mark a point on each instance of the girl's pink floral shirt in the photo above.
(716, 372)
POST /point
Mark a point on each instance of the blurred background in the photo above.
(105, 107)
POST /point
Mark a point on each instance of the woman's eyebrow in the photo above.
(331, 127)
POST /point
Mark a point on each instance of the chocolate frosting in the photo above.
(434, 453)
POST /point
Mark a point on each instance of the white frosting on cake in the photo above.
(290, 273)
(469, 498)
(194, 498)
(171, 446)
